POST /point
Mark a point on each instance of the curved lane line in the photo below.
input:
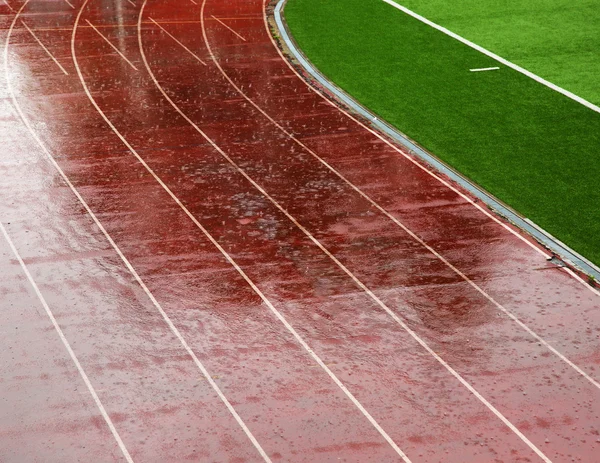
(412, 234)
(128, 265)
(361, 285)
(62, 336)
(162, 312)
(421, 166)
(232, 262)
(65, 342)
(268, 303)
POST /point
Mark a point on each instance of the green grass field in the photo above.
(558, 40)
(528, 145)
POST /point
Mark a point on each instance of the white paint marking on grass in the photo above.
(495, 68)
(507, 63)
(110, 43)
(65, 342)
(221, 22)
(45, 49)
(181, 44)
(70, 4)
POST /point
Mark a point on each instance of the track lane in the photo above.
(172, 260)
(134, 132)
(460, 245)
(535, 354)
(141, 386)
(85, 166)
(434, 226)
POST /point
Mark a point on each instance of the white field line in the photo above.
(495, 68)
(193, 2)
(181, 44)
(70, 4)
(398, 320)
(507, 63)
(65, 342)
(132, 3)
(82, 373)
(217, 19)
(8, 5)
(110, 43)
(131, 269)
(411, 159)
(412, 234)
(45, 49)
(231, 261)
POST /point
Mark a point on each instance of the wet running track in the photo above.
(202, 259)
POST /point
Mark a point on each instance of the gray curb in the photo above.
(552, 244)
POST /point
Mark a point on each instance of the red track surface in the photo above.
(242, 272)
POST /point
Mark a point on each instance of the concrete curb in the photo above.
(555, 246)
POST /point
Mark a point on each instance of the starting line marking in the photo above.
(495, 68)
(181, 44)
(9, 7)
(45, 49)
(225, 25)
(110, 43)
(507, 63)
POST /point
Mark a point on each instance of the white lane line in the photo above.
(474, 285)
(86, 380)
(486, 52)
(7, 4)
(217, 19)
(133, 3)
(193, 2)
(110, 43)
(494, 68)
(413, 334)
(412, 234)
(70, 4)
(418, 163)
(181, 44)
(171, 325)
(229, 259)
(131, 269)
(45, 49)
(65, 342)
(582, 281)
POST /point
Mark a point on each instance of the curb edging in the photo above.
(552, 244)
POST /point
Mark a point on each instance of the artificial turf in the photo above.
(528, 145)
(555, 39)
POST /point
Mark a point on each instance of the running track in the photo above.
(202, 259)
